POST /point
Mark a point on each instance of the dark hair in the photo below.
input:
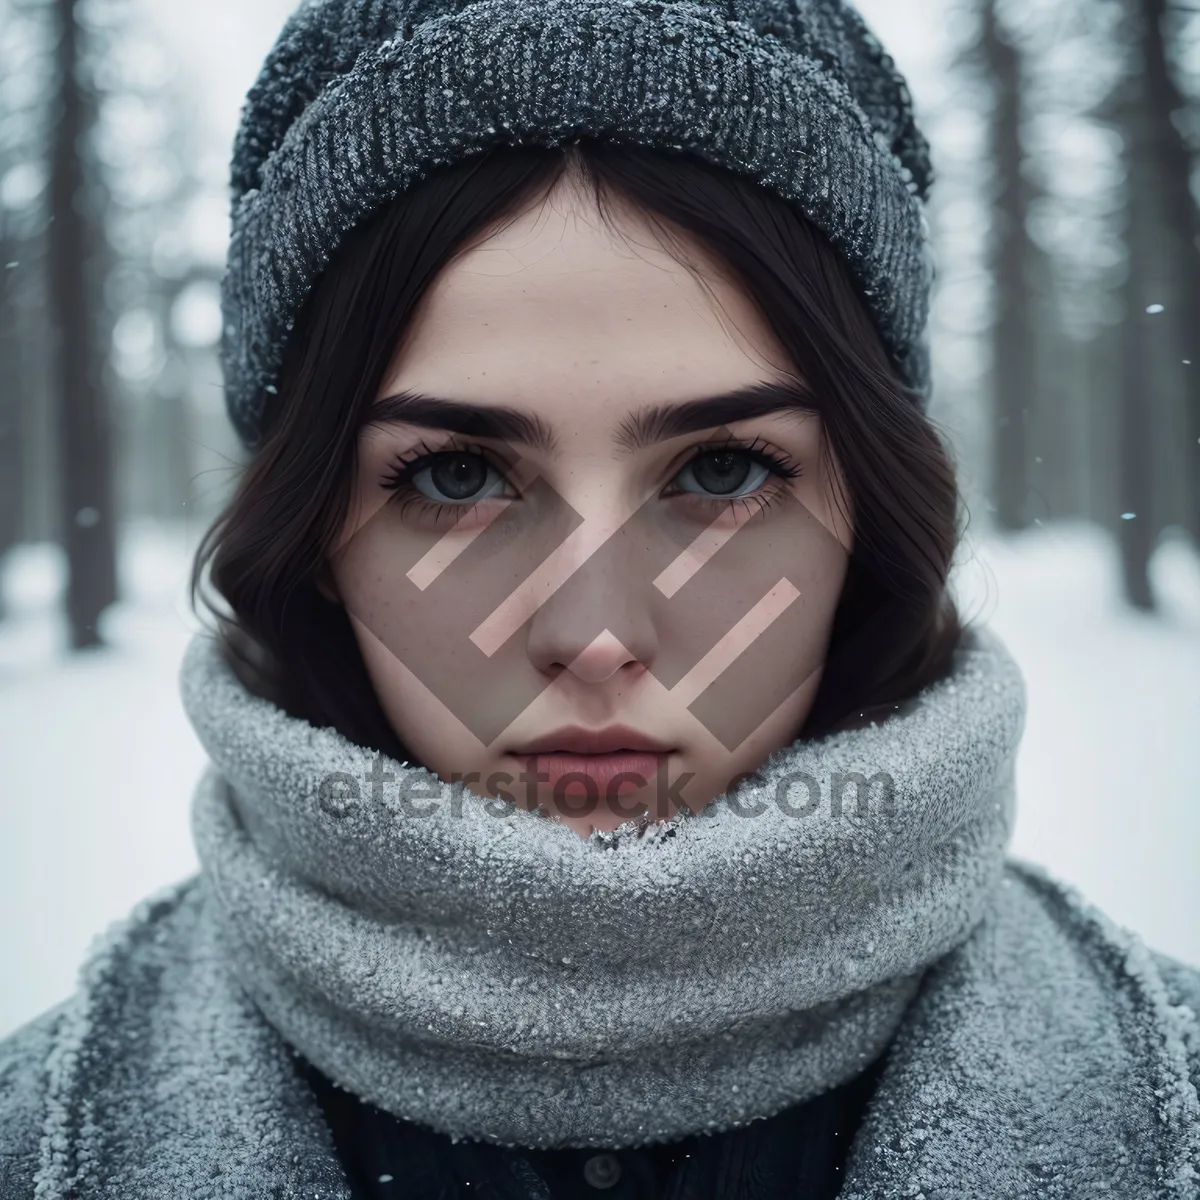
(895, 627)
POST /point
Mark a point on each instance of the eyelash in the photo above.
(399, 476)
(783, 468)
(403, 467)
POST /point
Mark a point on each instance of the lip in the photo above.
(590, 778)
(574, 739)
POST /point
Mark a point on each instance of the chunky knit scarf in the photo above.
(501, 978)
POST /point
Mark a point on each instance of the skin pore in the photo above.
(560, 525)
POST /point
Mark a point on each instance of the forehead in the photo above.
(559, 307)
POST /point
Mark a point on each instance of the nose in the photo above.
(598, 621)
(601, 659)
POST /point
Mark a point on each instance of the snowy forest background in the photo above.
(1066, 136)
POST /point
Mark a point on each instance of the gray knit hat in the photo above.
(359, 99)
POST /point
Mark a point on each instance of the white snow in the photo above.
(97, 761)
(1108, 775)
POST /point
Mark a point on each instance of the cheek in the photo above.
(776, 730)
(427, 728)
(745, 640)
(400, 692)
(421, 642)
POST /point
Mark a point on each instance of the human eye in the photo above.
(450, 478)
(734, 471)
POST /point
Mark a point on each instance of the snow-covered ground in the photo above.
(97, 761)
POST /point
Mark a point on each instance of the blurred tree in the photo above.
(1170, 158)
(16, 127)
(85, 460)
(1139, 371)
(1072, 64)
(1014, 383)
(1161, 292)
(26, 73)
(96, 180)
(11, 472)
(153, 165)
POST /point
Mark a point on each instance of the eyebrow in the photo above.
(651, 424)
(658, 422)
(460, 416)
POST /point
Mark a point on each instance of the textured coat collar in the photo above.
(1044, 1056)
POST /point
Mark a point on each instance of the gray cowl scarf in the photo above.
(500, 978)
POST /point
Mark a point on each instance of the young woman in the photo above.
(606, 797)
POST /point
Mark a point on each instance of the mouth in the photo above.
(602, 763)
(574, 739)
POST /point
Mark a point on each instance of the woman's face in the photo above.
(583, 578)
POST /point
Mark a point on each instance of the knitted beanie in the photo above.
(360, 99)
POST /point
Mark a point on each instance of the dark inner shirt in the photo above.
(799, 1152)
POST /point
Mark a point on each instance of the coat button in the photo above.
(602, 1170)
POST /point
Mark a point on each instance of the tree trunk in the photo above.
(1180, 229)
(87, 518)
(1013, 365)
(1136, 463)
(1145, 334)
(11, 473)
